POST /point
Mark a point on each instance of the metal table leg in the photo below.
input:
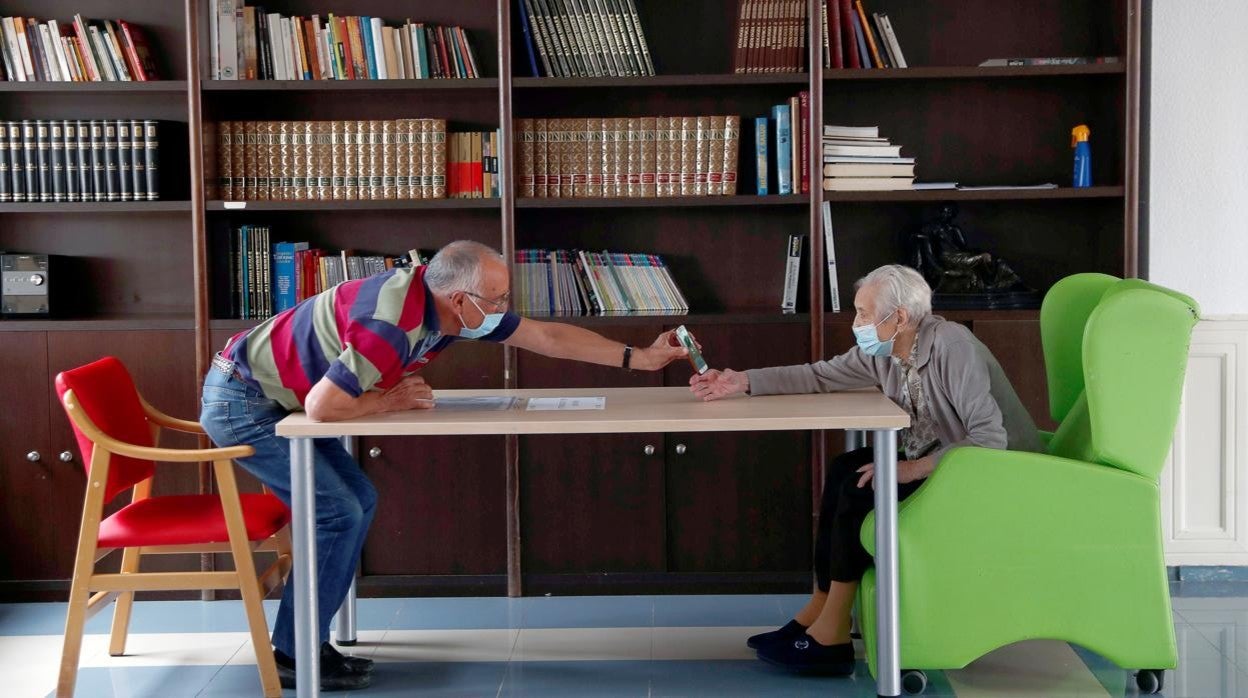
(303, 523)
(887, 592)
(855, 439)
(344, 620)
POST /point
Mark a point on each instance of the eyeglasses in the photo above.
(498, 304)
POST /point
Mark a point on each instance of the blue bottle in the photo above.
(1083, 156)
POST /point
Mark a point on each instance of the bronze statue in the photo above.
(960, 275)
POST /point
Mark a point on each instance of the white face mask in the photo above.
(489, 323)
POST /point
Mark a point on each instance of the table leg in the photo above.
(887, 592)
(303, 523)
(344, 620)
(855, 439)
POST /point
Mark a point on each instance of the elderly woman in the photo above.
(956, 395)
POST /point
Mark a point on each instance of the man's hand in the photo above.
(716, 384)
(665, 349)
(411, 393)
(907, 471)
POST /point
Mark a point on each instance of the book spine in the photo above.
(688, 155)
(228, 38)
(541, 167)
(661, 155)
(784, 152)
(95, 162)
(17, 161)
(6, 181)
(56, 156)
(535, 37)
(43, 159)
(732, 144)
(865, 24)
(715, 155)
(82, 145)
(437, 154)
(151, 158)
(830, 250)
(389, 160)
(124, 160)
(761, 156)
(701, 159)
(415, 189)
(633, 129)
(524, 137)
(376, 160)
(138, 159)
(296, 163)
(892, 41)
(848, 35)
(836, 50)
(648, 136)
(346, 168)
(69, 134)
(311, 180)
(30, 160)
(803, 148)
(738, 57)
(792, 270)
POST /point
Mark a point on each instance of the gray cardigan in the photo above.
(972, 401)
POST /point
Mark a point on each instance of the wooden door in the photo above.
(36, 497)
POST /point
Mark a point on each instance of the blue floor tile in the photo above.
(147, 617)
(378, 614)
(436, 679)
(458, 614)
(599, 679)
(145, 682)
(588, 611)
(1209, 589)
(751, 678)
(714, 611)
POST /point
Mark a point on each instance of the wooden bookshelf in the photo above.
(151, 286)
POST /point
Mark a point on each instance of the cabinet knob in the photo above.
(648, 450)
(66, 456)
(680, 449)
(374, 452)
(34, 457)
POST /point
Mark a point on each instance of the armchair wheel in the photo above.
(913, 681)
(1150, 681)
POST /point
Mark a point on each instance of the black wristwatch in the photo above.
(628, 356)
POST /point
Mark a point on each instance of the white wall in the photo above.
(1198, 188)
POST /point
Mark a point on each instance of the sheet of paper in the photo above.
(474, 404)
(567, 403)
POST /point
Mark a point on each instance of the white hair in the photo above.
(457, 267)
(899, 286)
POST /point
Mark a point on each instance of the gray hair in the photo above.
(457, 267)
(899, 286)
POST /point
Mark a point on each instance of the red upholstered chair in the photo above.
(118, 433)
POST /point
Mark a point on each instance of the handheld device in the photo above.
(695, 356)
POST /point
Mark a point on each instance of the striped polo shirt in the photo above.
(361, 335)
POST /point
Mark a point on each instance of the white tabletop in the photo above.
(627, 410)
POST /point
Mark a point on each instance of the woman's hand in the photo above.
(907, 471)
(716, 385)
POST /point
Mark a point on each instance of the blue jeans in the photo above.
(234, 412)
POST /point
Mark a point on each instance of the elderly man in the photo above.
(355, 350)
(956, 395)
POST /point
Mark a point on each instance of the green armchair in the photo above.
(1002, 546)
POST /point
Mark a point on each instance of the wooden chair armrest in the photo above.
(167, 455)
(168, 422)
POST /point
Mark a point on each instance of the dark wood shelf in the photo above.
(98, 207)
(707, 80)
(1114, 192)
(337, 205)
(110, 323)
(955, 315)
(664, 201)
(737, 318)
(973, 72)
(347, 85)
(139, 87)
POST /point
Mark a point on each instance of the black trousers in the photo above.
(839, 555)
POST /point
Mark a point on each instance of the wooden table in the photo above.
(628, 410)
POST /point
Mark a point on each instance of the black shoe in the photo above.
(360, 665)
(336, 673)
(805, 655)
(792, 629)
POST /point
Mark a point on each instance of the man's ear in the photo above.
(903, 318)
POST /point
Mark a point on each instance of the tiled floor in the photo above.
(585, 646)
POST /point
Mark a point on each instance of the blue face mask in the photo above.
(488, 325)
(869, 341)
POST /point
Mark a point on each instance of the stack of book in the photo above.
(780, 143)
(350, 160)
(584, 38)
(249, 44)
(771, 37)
(563, 282)
(856, 38)
(628, 157)
(856, 158)
(267, 278)
(87, 50)
(97, 160)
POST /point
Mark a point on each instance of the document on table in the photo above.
(567, 403)
(473, 404)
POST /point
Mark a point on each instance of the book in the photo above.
(868, 169)
(889, 151)
(1061, 60)
(783, 137)
(867, 183)
(830, 252)
(792, 274)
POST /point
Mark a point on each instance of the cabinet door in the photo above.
(1016, 344)
(38, 499)
(441, 505)
(162, 363)
(740, 502)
